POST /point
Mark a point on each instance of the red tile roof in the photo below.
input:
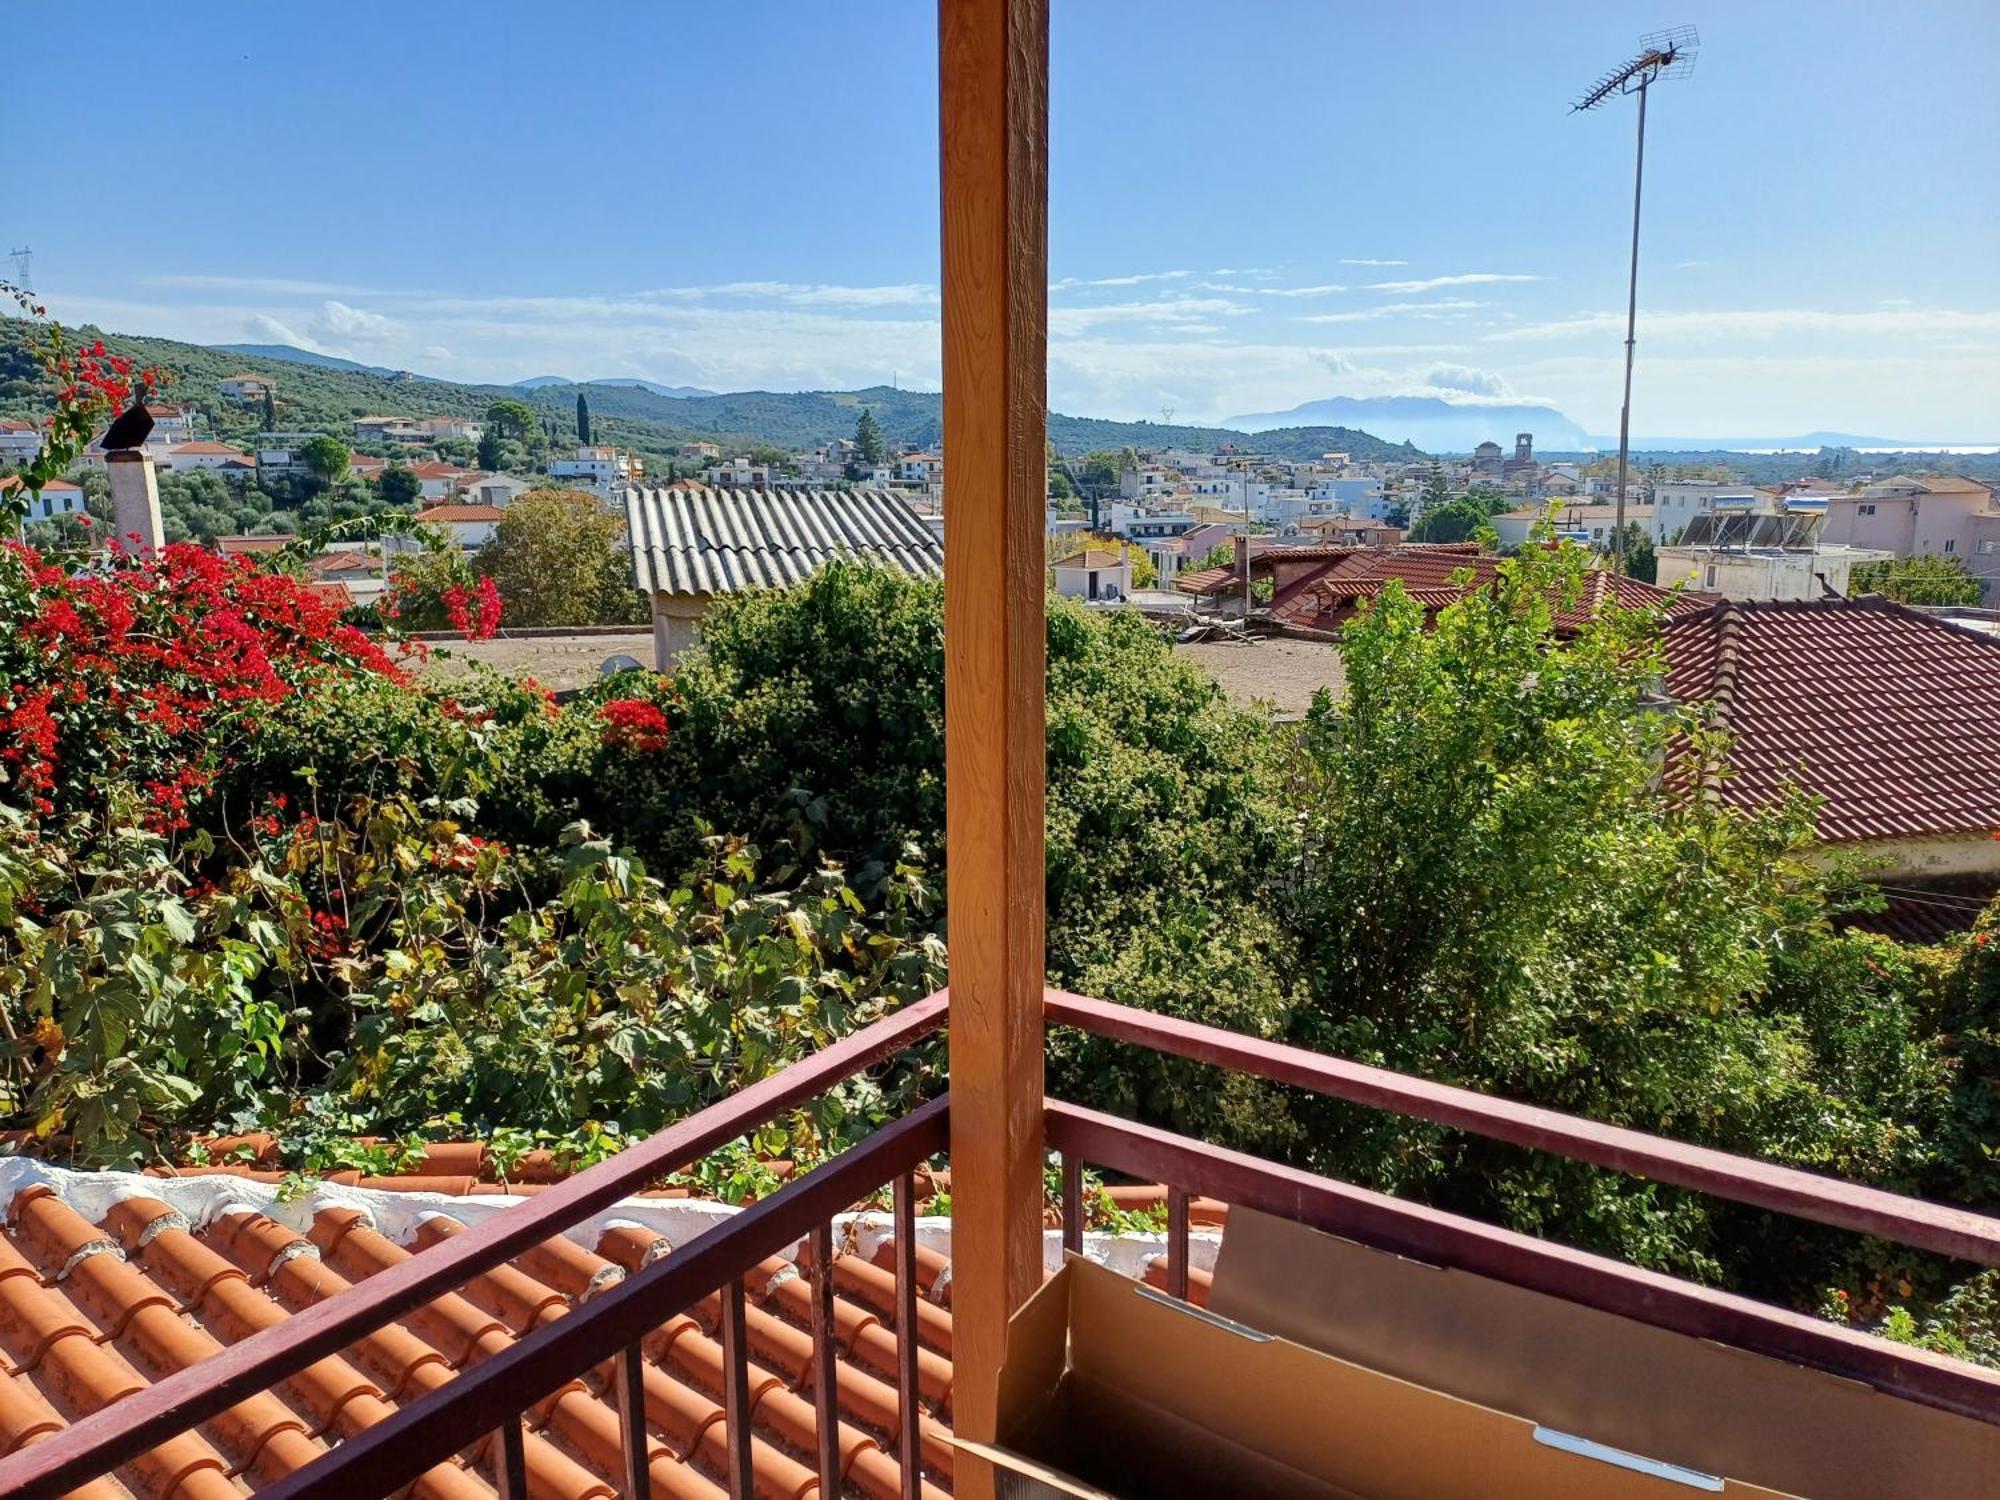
(460, 513)
(1890, 715)
(229, 545)
(107, 1288)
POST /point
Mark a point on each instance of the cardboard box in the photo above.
(1113, 1391)
(1687, 1401)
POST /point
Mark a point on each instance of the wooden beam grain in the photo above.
(993, 157)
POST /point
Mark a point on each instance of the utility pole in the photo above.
(1662, 54)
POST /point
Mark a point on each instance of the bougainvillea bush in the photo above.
(154, 670)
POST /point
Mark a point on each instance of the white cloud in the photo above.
(1466, 378)
(1469, 278)
(1446, 307)
(1071, 283)
(1365, 261)
(279, 286)
(1070, 321)
(259, 329)
(435, 352)
(338, 323)
(1760, 323)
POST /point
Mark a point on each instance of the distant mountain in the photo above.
(1807, 440)
(652, 387)
(292, 355)
(1433, 424)
(319, 392)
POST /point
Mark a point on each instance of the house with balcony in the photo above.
(490, 1325)
(247, 389)
(19, 442)
(184, 458)
(1939, 515)
(601, 470)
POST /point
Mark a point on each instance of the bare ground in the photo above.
(1282, 673)
(555, 661)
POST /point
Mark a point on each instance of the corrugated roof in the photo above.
(1890, 715)
(718, 541)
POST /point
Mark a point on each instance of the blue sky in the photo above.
(1253, 204)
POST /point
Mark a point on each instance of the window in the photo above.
(1710, 581)
(1867, 510)
(1951, 546)
(1986, 549)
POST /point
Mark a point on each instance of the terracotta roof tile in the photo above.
(1889, 715)
(91, 1309)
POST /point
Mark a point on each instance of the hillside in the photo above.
(329, 396)
(1438, 425)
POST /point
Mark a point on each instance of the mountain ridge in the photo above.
(1429, 422)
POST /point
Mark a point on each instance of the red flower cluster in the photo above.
(91, 374)
(634, 724)
(137, 670)
(474, 618)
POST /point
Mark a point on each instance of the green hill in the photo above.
(328, 397)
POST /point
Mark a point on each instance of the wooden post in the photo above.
(993, 63)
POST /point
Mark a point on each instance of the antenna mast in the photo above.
(1662, 55)
(24, 267)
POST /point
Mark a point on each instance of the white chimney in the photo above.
(135, 501)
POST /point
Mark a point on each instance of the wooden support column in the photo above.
(993, 129)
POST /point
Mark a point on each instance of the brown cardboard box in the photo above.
(1684, 1400)
(1115, 1392)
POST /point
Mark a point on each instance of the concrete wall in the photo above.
(676, 626)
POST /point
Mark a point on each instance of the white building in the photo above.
(171, 424)
(732, 473)
(59, 497)
(1677, 502)
(245, 388)
(1755, 574)
(183, 458)
(496, 490)
(19, 442)
(471, 526)
(600, 470)
(1096, 573)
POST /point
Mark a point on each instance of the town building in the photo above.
(1593, 525)
(1937, 515)
(1759, 555)
(1093, 574)
(59, 497)
(184, 458)
(20, 442)
(470, 526)
(247, 389)
(599, 469)
(1889, 716)
(691, 544)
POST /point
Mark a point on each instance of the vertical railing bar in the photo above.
(736, 1390)
(631, 1396)
(1072, 1203)
(909, 1454)
(510, 1465)
(826, 1389)
(1177, 1243)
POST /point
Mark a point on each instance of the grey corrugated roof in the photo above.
(709, 541)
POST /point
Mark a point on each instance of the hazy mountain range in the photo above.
(1429, 422)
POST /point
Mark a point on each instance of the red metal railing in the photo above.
(1084, 1136)
(605, 1331)
(102, 1441)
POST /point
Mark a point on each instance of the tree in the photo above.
(327, 458)
(270, 410)
(557, 556)
(1641, 561)
(492, 450)
(399, 487)
(582, 420)
(1497, 889)
(1454, 521)
(869, 445)
(1926, 579)
(514, 418)
(1437, 490)
(1100, 467)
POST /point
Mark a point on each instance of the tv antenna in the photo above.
(24, 267)
(1662, 55)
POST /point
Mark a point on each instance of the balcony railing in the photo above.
(604, 1333)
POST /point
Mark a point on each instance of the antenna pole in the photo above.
(1631, 329)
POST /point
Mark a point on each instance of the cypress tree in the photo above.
(582, 420)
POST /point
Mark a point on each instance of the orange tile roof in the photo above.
(261, 543)
(460, 513)
(108, 1288)
(1091, 557)
(1889, 715)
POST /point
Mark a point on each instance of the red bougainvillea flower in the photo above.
(634, 724)
(476, 617)
(144, 670)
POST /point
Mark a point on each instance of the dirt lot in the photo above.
(555, 661)
(1280, 672)
(1283, 673)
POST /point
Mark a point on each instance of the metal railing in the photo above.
(605, 1332)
